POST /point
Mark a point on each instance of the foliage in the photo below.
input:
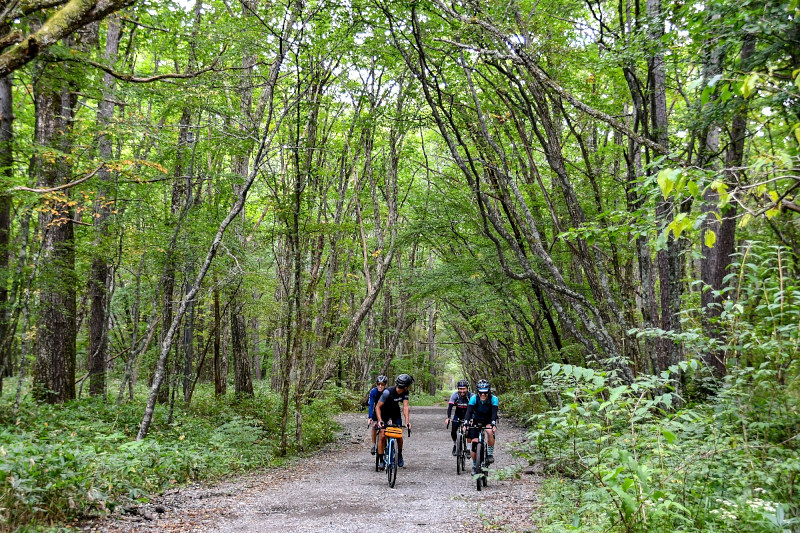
(516, 405)
(621, 459)
(425, 400)
(727, 464)
(79, 459)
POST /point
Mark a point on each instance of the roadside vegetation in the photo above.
(60, 463)
(220, 220)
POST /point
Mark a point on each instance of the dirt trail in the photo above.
(338, 489)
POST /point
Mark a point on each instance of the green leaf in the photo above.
(727, 94)
(693, 189)
(749, 85)
(745, 220)
(666, 180)
(669, 436)
(616, 392)
(705, 95)
(680, 224)
(710, 238)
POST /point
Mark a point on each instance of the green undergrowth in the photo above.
(426, 400)
(629, 458)
(81, 459)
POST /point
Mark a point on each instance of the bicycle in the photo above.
(480, 455)
(462, 448)
(391, 453)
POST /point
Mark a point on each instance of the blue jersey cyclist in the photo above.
(459, 400)
(374, 395)
(388, 411)
(482, 410)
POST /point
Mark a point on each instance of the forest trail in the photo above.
(337, 489)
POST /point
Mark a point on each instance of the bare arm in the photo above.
(378, 412)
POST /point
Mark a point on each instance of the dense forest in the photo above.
(220, 220)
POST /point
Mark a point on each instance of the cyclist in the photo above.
(374, 394)
(460, 399)
(388, 410)
(482, 409)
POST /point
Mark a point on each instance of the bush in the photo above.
(624, 460)
(516, 405)
(65, 462)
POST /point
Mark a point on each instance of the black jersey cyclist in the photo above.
(372, 420)
(459, 400)
(388, 410)
(482, 409)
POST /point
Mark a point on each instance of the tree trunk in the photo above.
(717, 259)
(219, 383)
(99, 275)
(6, 173)
(54, 371)
(432, 316)
(669, 259)
(242, 373)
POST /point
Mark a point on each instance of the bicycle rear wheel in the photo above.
(391, 464)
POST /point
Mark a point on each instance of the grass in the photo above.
(80, 459)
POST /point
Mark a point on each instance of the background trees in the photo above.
(307, 194)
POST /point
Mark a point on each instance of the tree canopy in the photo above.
(586, 202)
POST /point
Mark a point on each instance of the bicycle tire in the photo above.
(465, 455)
(387, 456)
(378, 457)
(459, 455)
(391, 466)
(479, 456)
(484, 465)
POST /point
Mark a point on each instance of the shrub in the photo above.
(624, 460)
(65, 462)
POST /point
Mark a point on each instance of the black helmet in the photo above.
(484, 386)
(404, 380)
(382, 379)
(463, 383)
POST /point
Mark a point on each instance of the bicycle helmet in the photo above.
(484, 386)
(463, 383)
(382, 379)
(404, 380)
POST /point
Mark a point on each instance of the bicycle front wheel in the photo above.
(465, 456)
(391, 464)
(480, 456)
(459, 455)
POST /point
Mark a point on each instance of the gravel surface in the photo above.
(337, 489)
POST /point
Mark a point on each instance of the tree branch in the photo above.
(73, 15)
(133, 79)
(60, 187)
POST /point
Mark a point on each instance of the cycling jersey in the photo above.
(460, 403)
(374, 395)
(392, 403)
(482, 412)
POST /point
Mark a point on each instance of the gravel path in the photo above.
(337, 489)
